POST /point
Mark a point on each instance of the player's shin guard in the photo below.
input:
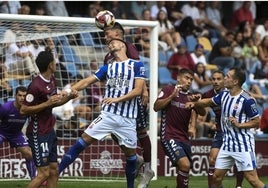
(72, 154)
(31, 168)
(131, 170)
(182, 179)
(210, 176)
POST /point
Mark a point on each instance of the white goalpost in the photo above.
(77, 43)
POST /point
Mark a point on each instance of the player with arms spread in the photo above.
(125, 78)
(40, 99)
(11, 125)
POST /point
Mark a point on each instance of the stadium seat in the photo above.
(72, 69)
(162, 58)
(191, 42)
(164, 76)
(213, 41)
(69, 55)
(204, 41)
(61, 40)
(87, 40)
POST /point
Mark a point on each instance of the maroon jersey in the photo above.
(175, 117)
(216, 109)
(38, 92)
(132, 53)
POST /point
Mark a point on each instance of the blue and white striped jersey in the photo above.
(243, 107)
(120, 78)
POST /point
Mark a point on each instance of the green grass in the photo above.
(161, 182)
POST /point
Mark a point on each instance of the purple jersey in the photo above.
(175, 117)
(132, 53)
(11, 120)
(38, 92)
(216, 109)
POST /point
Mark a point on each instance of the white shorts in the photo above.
(122, 127)
(245, 161)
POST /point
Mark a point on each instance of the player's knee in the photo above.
(217, 178)
(184, 164)
(212, 161)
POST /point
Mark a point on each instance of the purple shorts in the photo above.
(15, 141)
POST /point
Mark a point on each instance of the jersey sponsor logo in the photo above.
(29, 98)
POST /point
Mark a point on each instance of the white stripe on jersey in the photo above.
(234, 139)
(120, 81)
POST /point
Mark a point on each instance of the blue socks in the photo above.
(131, 170)
(72, 154)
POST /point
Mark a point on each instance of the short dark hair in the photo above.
(116, 25)
(43, 59)
(184, 71)
(239, 75)
(20, 88)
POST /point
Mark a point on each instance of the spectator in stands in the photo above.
(40, 9)
(10, 7)
(189, 9)
(201, 82)
(155, 9)
(179, 60)
(198, 54)
(137, 8)
(249, 53)
(221, 54)
(19, 59)
(261, 31)
(93, 8)
(36, 46)
(56, 8)
(116, 8)
(142, 41)
(263, 54)
(214, 14)
(239, 4)
(69, 129)
(205, 23)
(242, 14)
(246, 29)
(167, 32)
(5, 88)
(264, 121)
(25, 9)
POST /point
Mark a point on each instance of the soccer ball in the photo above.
(104, 19)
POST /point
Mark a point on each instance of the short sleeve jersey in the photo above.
(120, 78)
(39, 91)
(243, 107)
(175, 117)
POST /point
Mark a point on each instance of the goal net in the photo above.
(79, 49)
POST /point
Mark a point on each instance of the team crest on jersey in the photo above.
(142, 70)
(236, 106)
(29, 98)
(254, 108)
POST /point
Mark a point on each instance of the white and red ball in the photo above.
(104, 19)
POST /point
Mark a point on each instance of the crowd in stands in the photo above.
(242, 42)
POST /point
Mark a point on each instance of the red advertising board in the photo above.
(105, 159)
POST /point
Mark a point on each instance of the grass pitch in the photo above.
(161, 182)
